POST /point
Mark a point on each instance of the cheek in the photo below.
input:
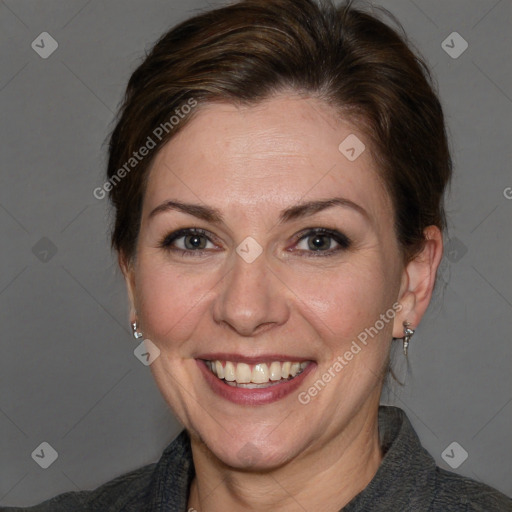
(345, 302)
(170, 302)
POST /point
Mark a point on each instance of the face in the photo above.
(321, 269)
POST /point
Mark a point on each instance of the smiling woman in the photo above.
(274, 242)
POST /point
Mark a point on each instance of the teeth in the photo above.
(285, 370)
(260, 374)
(294, 369)
(275, 371)
(229, 371)
(243, 373)
(219, 369)
(251, 376)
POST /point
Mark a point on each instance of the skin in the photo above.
(250, 163)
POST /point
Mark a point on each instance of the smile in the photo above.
(258, 383)
(255, 376)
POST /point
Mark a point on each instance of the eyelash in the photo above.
(168, 240)
(342, 240)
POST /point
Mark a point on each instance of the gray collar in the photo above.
(406, 478)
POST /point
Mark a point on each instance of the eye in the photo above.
(187, 241)
(322, 241)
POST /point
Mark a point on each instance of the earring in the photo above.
(136, 334)
(408, 334)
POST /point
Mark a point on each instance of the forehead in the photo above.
(266, 157)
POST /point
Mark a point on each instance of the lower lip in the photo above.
(261, 396)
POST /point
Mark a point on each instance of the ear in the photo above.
(127, 269)
(418, 280)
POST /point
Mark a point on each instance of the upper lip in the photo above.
(261, 358)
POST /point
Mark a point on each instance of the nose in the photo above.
(251, 298)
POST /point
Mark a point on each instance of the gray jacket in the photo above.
(407, 480)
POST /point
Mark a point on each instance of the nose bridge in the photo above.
(250, 296)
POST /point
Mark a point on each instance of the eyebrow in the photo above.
(201, 212)
(295, 212)
(311, 207)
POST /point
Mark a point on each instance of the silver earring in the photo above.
(408, 334)
(136, 333)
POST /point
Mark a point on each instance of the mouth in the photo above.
(251, 382)
(255, 376)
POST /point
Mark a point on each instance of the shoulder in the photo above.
(125, 493)
(152, 485)
(410, 477)
(459, 493)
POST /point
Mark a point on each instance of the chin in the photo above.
(249, 450)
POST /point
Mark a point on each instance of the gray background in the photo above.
(68, 375)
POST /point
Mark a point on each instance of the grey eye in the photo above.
(192, 242)
(317, 242)
(320, 240)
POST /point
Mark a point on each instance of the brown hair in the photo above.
(248, 51)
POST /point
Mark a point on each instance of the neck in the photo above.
(325, 479)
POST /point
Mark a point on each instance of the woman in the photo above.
(277, 173)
